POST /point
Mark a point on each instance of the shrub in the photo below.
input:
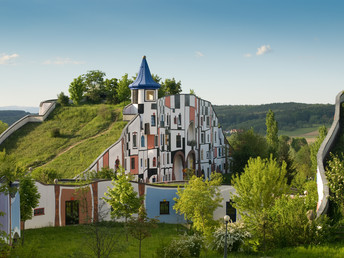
(104, 173)
(186, 246)
(236, 236)
(45, 175)
(63, 99)
(55, 132)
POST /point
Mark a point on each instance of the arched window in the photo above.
(142, 141)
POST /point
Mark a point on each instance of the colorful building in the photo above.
(166, 136)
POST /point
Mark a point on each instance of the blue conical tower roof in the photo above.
(144, 78)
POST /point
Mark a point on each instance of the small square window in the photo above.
(38, 211)
(150, 95)
(164, 207)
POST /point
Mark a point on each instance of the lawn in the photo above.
(73, 241)
(85, 132)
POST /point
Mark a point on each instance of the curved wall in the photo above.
(324, 150)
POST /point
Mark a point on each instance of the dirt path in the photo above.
(78, 143)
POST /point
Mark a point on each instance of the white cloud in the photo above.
(248, 55)
(7, 59)
(62, 61)
(263, 50)
(199, 54)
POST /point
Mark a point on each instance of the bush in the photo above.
(63, 99)
(186, 246)
(55, 132)
(236, 236)
(104, 173)
(45, 175)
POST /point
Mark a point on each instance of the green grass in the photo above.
(87, 130)
(71, 241)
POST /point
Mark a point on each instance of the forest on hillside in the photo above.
(290, 116)
(10, 116)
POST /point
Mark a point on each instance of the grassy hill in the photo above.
(69, 140)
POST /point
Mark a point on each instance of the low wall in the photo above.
(324, 150)
(46, 107)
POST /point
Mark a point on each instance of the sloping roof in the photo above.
(144, 78)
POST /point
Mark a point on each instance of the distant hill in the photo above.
(10, 116)
(32, 110)
(290, 116)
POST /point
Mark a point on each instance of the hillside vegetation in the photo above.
(290, 116)
(69, 140)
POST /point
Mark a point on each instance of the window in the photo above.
(154, 162)
(164, 207)
(215, 137)
(135, 96)
(208, 121)
(177, 101)
(142, 141)
(168, 158)
(179, 119)
(167, 139)
(179, 141)
(132, 163)
(153, 120)
(156, 141)
(38, 211)
(202, 138)
(167, 119)
(202, 154)
(134, 140)
(150, 95)
(141, 161)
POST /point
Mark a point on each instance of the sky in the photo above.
(230, 52)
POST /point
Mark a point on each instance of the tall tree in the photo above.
(29, 199)
(77, 89)
(246, 145)
(94, 82)
(171, 87)
(198, 201)
(123, 88)
(316, 145)
(271, 131)
(111, 88)
(122, 197)
(262, 182)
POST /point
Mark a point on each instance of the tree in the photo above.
(3, 127)
(62, 99)
(77, 89)
(171, 87)
(257, 188)
(246, 145)
(283, 155)
(122, 197)
(140, 227)
(198, 201)
(95, 89)
(29, 199)
(314, 147)
(111, 88)
(124, 92)
(9, 171)
(271, 132)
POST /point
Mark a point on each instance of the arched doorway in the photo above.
(178, 166)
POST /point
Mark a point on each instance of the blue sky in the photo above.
(230, 52)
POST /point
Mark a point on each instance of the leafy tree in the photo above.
(122, 197)
(141, 227)
(171, 87)
(29, 199)
(297, 143)
(314, 147)
(111, 88)
(257, 188)
(124, 92)
(283, 155)
(3, 127)
(45, 175)
(9, 171)
(246, 145)
(303, 164)
(271, 131)
(77, 89)
(95, 88)
(198, 201)
(62, 99)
